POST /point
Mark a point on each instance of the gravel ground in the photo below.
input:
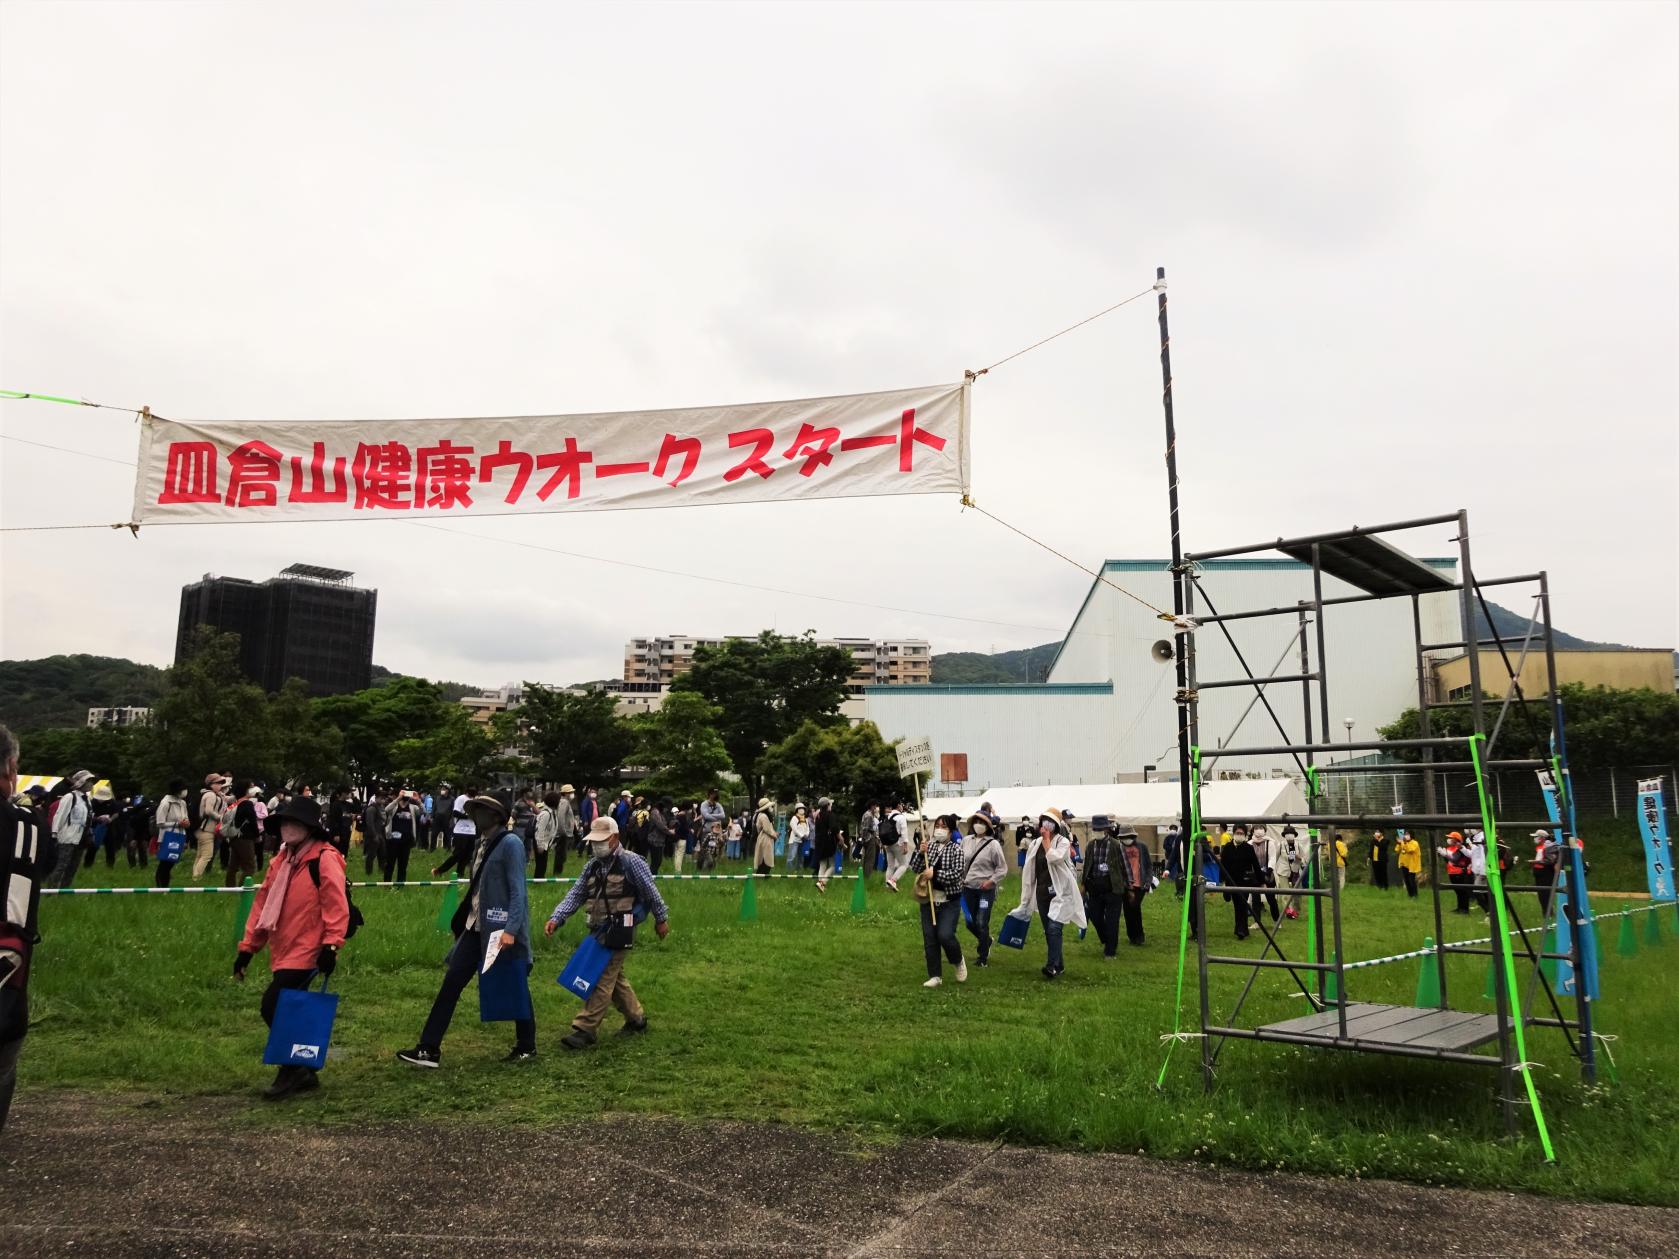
(107, 1176)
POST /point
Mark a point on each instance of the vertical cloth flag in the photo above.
(1652, 824)
(904, 441)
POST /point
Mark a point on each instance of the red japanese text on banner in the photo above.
(906, 441)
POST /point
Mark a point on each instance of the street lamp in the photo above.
(1348, 723)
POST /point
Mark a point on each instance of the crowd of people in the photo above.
(303, 914)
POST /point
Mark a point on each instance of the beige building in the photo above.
(888, 662)
(1632, 668)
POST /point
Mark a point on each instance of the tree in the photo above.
(374, 721)
(853, 764)
(767, 687)
(454, 749)
(573, 736)
(308, 747)
(1605, 728)
(680, 747)
(110, 752)
(209, 717)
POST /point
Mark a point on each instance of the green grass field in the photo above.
(815, 1016)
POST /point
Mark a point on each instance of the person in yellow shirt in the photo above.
(1409, 852)
(1340, 862)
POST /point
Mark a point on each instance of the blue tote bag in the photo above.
(1014, 932)
(170, 845)
(584, 970)
(302, 1027)
(504, 991)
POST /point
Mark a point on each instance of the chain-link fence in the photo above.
(1599, 793)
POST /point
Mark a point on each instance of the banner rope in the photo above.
(354, 883)
(972, 376)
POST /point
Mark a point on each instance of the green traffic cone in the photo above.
(1627, 945)
(749, 900)
(1332, 985)
(242, 911)
(1490, 992)
(1652, 929)
(446, 911)
(1428, 979)
(860, 897)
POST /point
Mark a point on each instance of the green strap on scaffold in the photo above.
(1192, 860)
(1504, 957)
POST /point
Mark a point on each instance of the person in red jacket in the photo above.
(301, 913)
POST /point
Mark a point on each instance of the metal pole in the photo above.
(1334, 864)
(1180, 577)
(1314, 922)
(1428, 801)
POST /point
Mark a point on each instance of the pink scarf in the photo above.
(275, 901)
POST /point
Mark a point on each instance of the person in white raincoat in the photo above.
(1049, 886)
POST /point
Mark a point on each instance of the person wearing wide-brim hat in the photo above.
(1048, 886)
(301, 913)
(764, 835)
(494, 907)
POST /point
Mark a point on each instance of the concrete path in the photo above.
(95, 1175)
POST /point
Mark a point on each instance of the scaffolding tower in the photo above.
(1378, 570)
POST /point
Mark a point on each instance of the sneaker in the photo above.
(516, 1054)
(934, 982)
(891, 886)
(420, 1056)
(632, 1029)
(1049, 972)
(985, 962)
(578, 1040)
(962, 971)
(1291, 914)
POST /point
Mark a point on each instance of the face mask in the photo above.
(940, 835)
(980, 828)
(602, 848)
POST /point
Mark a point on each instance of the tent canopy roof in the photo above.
(1140, 804)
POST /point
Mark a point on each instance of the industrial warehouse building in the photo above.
(1106, 713)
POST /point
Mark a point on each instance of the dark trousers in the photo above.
(372, 852)
(1131, 904)
(393, 864)
(938, 933)
(165, 873)
(655, 857)
(1410, 877)
(463, 965)
(1052, 941)
(1543, 878)
(980, 903)
(14, 1022)
(244, 862)
(1379, 874)
(542, 864)
(1247, 904)
(1103, 908)
(280, 980)
(1463, 884)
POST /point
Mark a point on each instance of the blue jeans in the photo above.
(1052, 940)
(980, 904)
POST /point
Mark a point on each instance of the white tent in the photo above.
(1140, 804)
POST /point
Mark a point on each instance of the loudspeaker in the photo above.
(1163, 651)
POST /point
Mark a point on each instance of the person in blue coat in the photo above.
(494, 908)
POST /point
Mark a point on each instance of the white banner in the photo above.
(906, 441)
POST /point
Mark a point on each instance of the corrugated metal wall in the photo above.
(1372, 672)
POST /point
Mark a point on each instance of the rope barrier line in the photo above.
(1453, 945)
(972, 376)
(205, 890)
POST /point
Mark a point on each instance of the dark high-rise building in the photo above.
(308, 623)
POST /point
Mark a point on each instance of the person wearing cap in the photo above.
(1137, 874)
(621, 812)
(617, 887)
(1049, 886)
(1104, 888)
(494, 906)
(984, 868)
(824, 832)
(301, 914)
(1408, 853)
(1460, 870)
(763, 837)
(211, 801)
(69, 823)
(1547, 856)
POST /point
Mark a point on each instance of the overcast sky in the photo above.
(1421, 257)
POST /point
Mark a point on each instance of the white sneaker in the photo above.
(934, 982)
(962, 971)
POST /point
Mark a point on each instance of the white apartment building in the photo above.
(876, 662)
(97, 717)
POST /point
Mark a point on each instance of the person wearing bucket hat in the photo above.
(1048, 886)
(301, 914)
(494, 907)
(618, 890)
